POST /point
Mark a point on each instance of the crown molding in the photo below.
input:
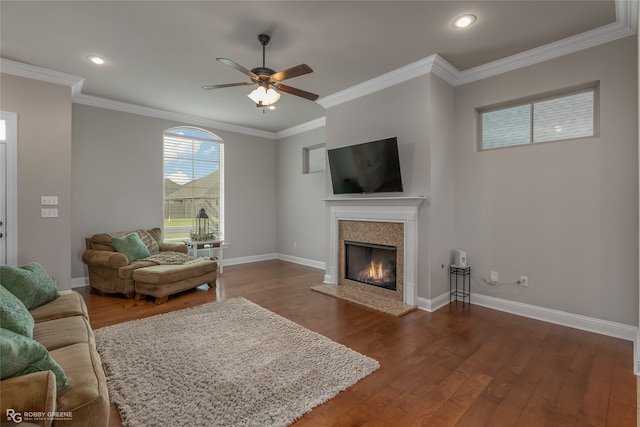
(303, 127)
(392, 78)
(95, 101)
(20, 69)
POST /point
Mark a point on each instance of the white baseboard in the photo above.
(79, 282)
(248, 259)
(585, 323)
(303, 261)
(433, 304)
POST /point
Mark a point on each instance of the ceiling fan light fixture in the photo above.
(464, 21)
(264, 96)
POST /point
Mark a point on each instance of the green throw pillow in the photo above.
(30, 283)
(130, 246)
(14, 315)
(21, 355)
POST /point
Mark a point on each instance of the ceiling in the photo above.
(160, 53)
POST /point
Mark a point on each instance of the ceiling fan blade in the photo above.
(227, 85)
(298, 92)
(290, 73)
(238, 67)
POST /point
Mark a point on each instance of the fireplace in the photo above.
(390, 222)
(371, 264)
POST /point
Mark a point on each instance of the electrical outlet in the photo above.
(49, 213)
(524, 281)
(493, 276)
(295, 245)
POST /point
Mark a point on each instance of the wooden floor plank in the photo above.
(458, 366)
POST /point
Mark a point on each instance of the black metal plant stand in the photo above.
(465, 274)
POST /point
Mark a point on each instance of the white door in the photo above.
(8, 188)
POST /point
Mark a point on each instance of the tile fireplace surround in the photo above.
(354, 216)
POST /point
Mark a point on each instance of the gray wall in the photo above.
(44, 169)
(117, 181)
(401, 111)
(302, 214)
(443, 169)
(565, 213)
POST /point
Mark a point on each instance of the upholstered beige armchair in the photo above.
(111, 271)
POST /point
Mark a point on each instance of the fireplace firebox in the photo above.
(371, 264)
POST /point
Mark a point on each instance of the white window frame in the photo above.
(214, 139)
(531, 101)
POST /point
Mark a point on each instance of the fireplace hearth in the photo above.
(371, 264)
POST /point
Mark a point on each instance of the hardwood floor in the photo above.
(458, 366)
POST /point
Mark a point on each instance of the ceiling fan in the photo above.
(267, 79)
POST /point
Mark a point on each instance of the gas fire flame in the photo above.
(375, 271)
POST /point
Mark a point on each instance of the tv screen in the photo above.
(371, 167)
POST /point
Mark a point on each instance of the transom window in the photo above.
(567, 114)
(193, 180)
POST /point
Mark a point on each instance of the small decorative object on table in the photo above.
(203, 230)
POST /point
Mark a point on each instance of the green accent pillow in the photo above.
(130, 246)
(21, 355)
(14, 316)
(30, 283)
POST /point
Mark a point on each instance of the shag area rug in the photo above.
(227, 363)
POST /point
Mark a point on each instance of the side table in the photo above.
(465, 274)
(193, 246)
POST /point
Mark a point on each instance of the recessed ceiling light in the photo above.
(95, 59)
(463, 21)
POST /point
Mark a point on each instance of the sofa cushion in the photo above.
(163, 274)
(57, 333)
(148, 240)
(30, 283)
(87, 396)
(131, 246)
(69, 304)
(156, 233)
(21, 355)
(14, 315)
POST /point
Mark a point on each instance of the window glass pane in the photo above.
(563, 118)
(193, 168)
(506, 127)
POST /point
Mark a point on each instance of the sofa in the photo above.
(63, 386)
(131, 263)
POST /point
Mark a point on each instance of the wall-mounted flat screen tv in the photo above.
(370, 167)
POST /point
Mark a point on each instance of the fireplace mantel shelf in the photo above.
(378, 201)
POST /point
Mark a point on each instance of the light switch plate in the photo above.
(48, 200)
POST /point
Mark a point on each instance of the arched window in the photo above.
(193, 180)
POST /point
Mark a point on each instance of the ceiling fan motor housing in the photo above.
(264, 39)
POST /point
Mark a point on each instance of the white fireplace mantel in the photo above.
(383, 209)
(377, 201)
